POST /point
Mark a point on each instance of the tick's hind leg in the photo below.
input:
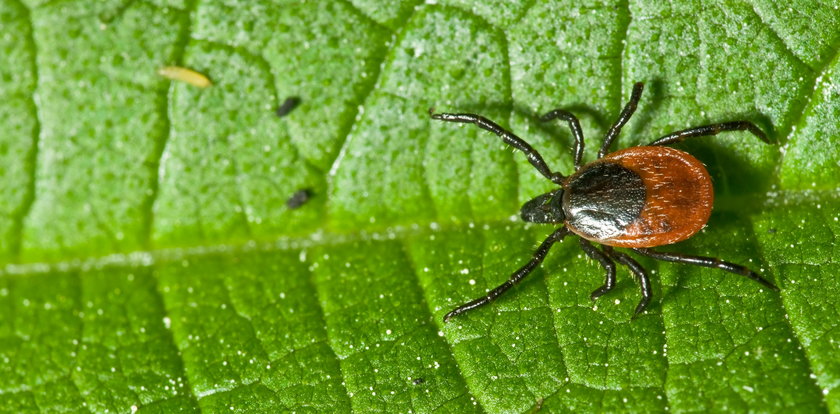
(515, 278)
(707, 262)
(606, 263)
(639, 272)
(709, 130)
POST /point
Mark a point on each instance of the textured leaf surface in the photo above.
(151, 263)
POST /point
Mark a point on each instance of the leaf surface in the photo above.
(151, 262)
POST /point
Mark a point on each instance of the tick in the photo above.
(637, 198)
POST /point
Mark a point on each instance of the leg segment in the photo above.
(639, 272)
(515, 278)
(707, 262)
(574, 125)
(606, 263)
(508, 137)
(625, 115)
(709, 130)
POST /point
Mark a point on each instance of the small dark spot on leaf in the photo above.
(299, 198)
(418, 381)
(772, 230)
(287, 106)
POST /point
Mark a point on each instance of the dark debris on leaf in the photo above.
(287, 106)
(299, 198)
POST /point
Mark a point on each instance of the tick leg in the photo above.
(515, 278)
(508, 137)
(623, 117)
(709, 130)
(574, 125)
(639, 272)
(606, 263)
(707, 262)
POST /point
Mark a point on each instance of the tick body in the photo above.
(636, 198)
(639, 197)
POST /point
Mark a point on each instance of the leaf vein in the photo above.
(431, 315)
(32, 157)
(165, 106)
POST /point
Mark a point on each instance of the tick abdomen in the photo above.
(639, 197)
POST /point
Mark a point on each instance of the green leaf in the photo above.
(150, 262)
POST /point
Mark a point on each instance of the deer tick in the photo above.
(637, 198)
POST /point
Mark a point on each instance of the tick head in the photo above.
(544, 208)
